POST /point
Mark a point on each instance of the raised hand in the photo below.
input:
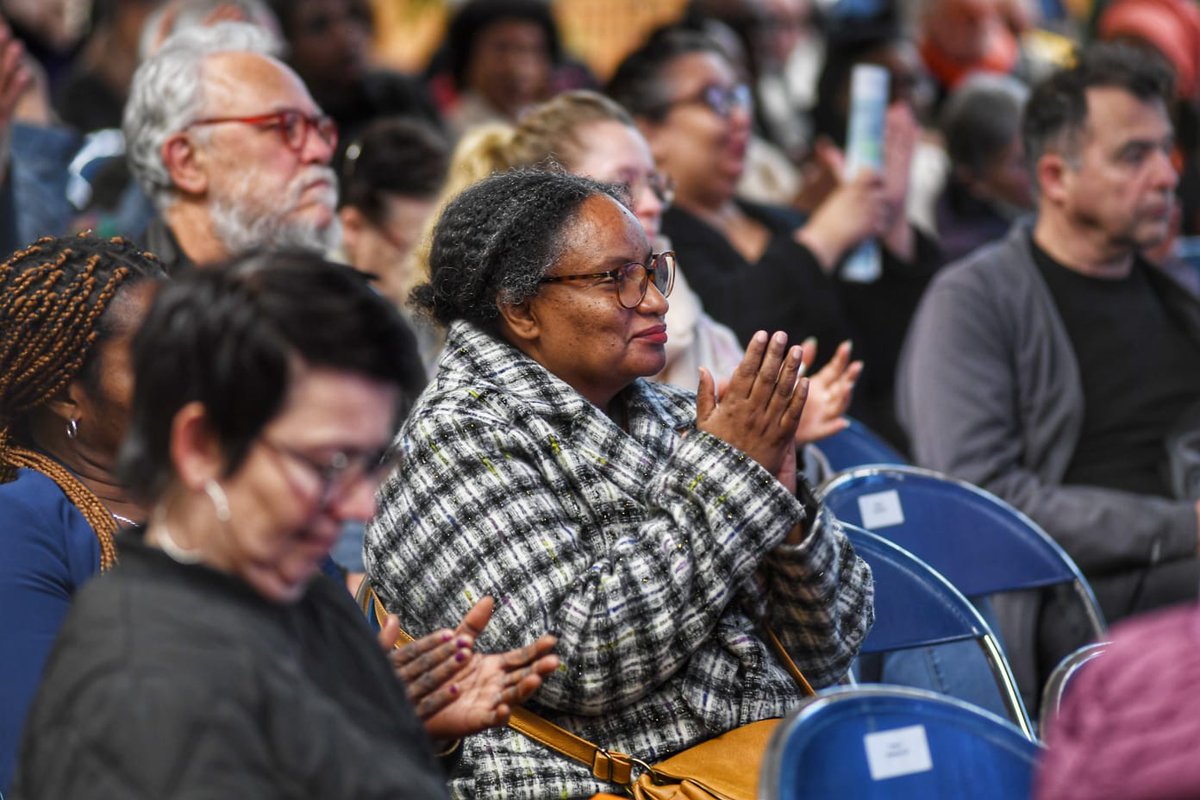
(457, 691)
(760, 409)
(829, 394)
(850, 212)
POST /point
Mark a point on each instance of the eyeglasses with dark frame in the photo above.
(721, 100)
(633, 279)
(293, 126)
(341, 471)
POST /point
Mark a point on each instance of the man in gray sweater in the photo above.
(1056, 367)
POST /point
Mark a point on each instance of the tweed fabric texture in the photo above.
(649, 553)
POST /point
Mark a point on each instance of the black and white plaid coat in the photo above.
(648, 553)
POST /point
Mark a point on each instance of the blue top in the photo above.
(47, 551)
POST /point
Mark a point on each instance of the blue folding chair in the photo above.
(915, 607)
(980, 543)
(856, 446)
(892, 743)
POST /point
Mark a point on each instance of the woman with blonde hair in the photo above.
(588, 134)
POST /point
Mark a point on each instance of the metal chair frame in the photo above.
(1056, 685)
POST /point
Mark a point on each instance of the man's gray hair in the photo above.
(167, 95)
(179, 15)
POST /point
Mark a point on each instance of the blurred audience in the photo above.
(1171, 28)
(390, 183)
(178, 15)
(1124, 715)
(53, 31)
(328, 47)
(94, 92)
(959, 37)
(759, 266)
(500, 57)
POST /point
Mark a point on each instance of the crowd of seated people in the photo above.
(542, 364)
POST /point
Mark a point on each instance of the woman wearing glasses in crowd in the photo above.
(68, 308)
(652, 530)
(758, 266)
(590, 135)
(214, 661)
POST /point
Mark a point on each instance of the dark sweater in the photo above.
(173, 681)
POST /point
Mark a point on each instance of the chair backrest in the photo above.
(1056, 685)
(980, 543)
(917, 607)
(914, 605)
(872, 742)
(856, 446)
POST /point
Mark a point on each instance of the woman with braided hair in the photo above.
(68, 309)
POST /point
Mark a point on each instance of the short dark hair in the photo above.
(478, 15)
(393, 155)
(495, 242)
(1056, 112)
(285, 14)
(227, 337)
(638, 83)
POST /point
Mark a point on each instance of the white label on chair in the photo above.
(901, 751)
(880, 510)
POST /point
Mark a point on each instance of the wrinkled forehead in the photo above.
(237, 83)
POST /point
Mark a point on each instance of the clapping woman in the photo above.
(655, 531)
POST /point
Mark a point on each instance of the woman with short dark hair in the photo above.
(216, 661)
(651, 529)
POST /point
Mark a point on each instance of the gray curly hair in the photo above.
(167, 94)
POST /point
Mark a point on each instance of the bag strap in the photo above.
(606, 765)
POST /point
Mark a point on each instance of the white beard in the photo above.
(241, 229)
